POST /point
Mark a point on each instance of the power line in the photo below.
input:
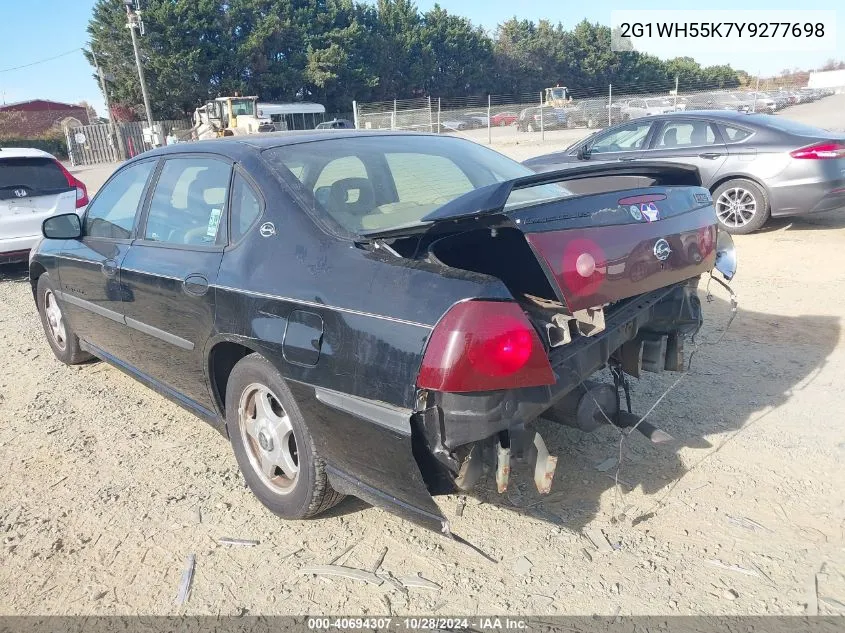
(41, 61)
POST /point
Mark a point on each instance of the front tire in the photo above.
(60, 335)
(741, 205)
(272, 445)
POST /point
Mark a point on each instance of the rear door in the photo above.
(31, 189)
(692, 141)
(170, 270)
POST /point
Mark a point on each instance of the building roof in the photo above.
(46, 102)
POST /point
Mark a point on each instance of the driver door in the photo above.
(625, 142)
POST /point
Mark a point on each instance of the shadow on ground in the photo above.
(718, 397)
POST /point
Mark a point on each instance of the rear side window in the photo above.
(112, 213)
(34, 173)
(734, 134)
(686, 134)
(246, 207)
(189, 201)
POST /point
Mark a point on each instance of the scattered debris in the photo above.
(587, 555)
(390, 578)
(462, 502)
(58, 481)
(730, 594)
(187, 577)
(522, 566)
(747, 523)
(344, 552)
(607, 464)
(379, 560)
(598, 539)
(198, 515)
(344, 572)
(418, 582)
(244, 542)
(737, 568)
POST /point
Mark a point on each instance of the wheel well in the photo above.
(725, 179)
(35, 271)
(221, 360)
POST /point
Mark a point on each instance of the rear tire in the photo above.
(60, 335)
(741, 205)
(272, 445)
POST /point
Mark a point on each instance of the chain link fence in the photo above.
(559, 113)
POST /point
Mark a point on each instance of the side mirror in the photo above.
(584, 152)
(66, 226)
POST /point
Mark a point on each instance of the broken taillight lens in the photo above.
(483, 346)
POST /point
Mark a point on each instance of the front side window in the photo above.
(189, 201)
(376, 183)
(622, 139)
(112, 213)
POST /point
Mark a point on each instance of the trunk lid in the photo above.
(602, 247)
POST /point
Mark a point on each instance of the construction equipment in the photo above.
(229, 116)
(558, 97)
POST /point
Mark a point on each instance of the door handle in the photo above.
(109, 267)
(710, 155)
(195, 284)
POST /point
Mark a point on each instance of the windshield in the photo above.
(243, 107)
(376, 183)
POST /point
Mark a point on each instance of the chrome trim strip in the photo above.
(386, 415)
(314, 304)
(151, 274)
(91, 307)
(167, 337)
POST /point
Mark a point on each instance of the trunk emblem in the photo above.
(650, 212)
(20, 193)
(662, 250)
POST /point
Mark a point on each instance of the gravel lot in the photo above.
(109, 487)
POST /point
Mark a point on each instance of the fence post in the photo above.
(542, 123)
(69, 146)
(756, 90)
(438, 115)
(489, 124)
(355, 113)
(393, 120)
(430, 117)
(676, 94)
(609, 105)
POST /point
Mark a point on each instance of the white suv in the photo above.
(33, 186)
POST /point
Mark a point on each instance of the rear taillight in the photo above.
(73, 181)
(820, 151)
(483, 346)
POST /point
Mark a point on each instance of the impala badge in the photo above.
(662, 250)
(267, 229)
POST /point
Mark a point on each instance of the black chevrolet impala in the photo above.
(381, 315)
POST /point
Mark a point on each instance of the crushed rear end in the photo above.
(603, 280)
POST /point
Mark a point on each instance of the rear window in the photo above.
(375, 183)
(34, 173)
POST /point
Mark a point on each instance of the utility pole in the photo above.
(115, 134)
(134, 22)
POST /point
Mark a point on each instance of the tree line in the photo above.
(334, 51)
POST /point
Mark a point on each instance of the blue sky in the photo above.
(33, 30)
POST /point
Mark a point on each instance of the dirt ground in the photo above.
(108, 488)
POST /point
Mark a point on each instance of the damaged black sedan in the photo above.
(378, 314)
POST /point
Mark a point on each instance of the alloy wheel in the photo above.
(268, 437)
(736, 207)
(55, 320)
